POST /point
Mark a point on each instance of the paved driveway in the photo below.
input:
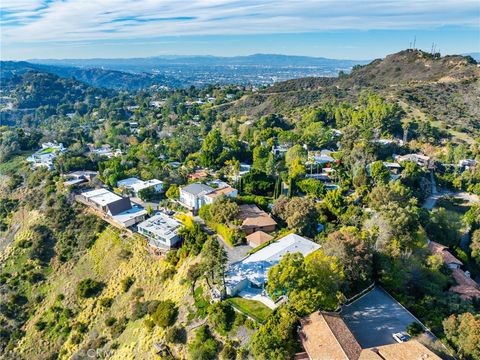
(375, 317)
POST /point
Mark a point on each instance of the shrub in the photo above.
(149, 324)
(168, 273)
(89, 288)
(40, 325)
(127, 283)
(138, 292)
(165, 314)
(106, 302)
(414, 329)
(176, 335)
(125, 254)
(139, 309)
(221, 317)
(110, 321)
(118, 327)
(229, 351)
(204, 345)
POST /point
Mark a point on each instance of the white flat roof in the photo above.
(137, 184)
(128, 182)
(161, 225)
(255, 267)
(101, 197)
(129, 214)
(291, 243)
(145, 184)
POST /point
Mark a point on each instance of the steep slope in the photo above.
(72, 325)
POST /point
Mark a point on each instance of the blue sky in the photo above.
(354, 29)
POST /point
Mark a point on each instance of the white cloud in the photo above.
(79, 20)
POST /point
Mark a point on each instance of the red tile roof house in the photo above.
(325, 336)
(258, 238)
(466, 287)
(451, 261)
(255, 219)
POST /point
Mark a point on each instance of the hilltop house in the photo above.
(118, 210)
(251, 272)
(161, 231)
(195, 195)
(133, 185)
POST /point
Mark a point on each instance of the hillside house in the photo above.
(161, 231)
(451, 261)
(194, 196)
(133, 185)
(258, 238)
(252, 271)
(119, 210)
(419, 159)
(393, 168)
(254, 219)
(325, 335)
(46, 155)
(466, 287)
(78, 177)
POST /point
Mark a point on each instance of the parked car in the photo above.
(401, 337)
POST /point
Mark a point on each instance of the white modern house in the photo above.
(250, 274)
(161, 231)
(45, 156)
(192, 196)
(134, 185)
(195, 195)
(103, 150)
(118, 209)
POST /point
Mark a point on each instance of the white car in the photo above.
(401, 337)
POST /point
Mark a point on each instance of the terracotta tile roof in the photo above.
(467, 288)
(197, 175)
(448, 258)
(410, 350)
(258, 238)
(318, 339)
(325, 336)
(343, 335)
(252, 216)
(221, 191)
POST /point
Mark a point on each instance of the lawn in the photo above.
(46, 151)
(255, 309)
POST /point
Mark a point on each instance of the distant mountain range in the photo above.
(181, 71)
(150, 64)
